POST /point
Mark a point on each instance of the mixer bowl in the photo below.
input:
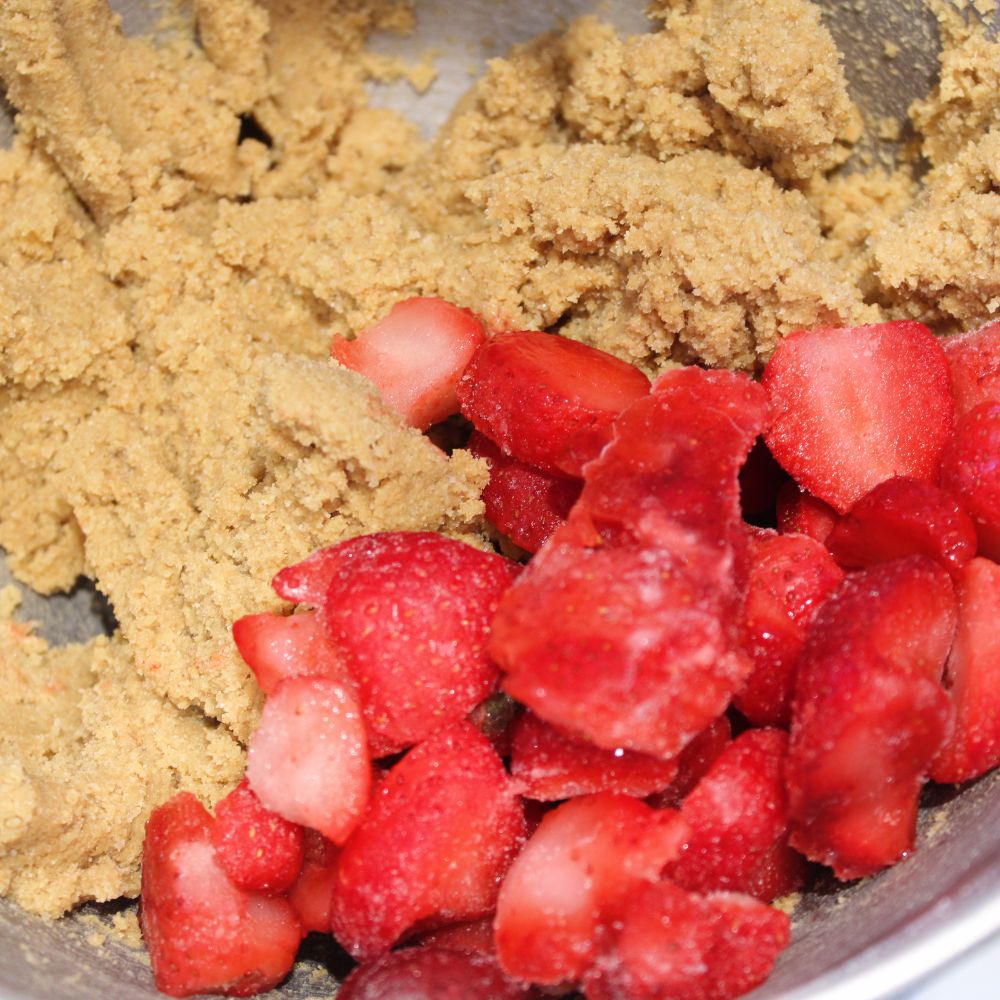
(857, 942)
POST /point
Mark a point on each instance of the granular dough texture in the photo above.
(183, 225)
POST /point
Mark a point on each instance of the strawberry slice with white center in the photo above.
(415, 356)
(547, 400)
(852, 407)
(308, 760)
(972, 676)
(204, 934)
(439, 834)
(278, 646)
(579, 866)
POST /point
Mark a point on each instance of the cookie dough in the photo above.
(184, 224)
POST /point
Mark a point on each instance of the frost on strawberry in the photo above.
(439, 834)
(974, 360)
(571, 879)
(204, 934)
(972, 676)
(852, 407)
(870, 715)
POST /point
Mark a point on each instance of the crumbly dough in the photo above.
(170, 423)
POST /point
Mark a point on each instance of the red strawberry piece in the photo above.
(903, 517)
(738, 815)
(524, 503)
(258, 848)
(474, 937)
(430, 973)
(971, 471)
(870, 715)
(855, 406)
(790, 577)
(801, 513)
(280, 646)
(547, 400)
(415, 356)
(675, 945)
(308, 760)
(624, 647)
(204, 934)
(760, 480)
(694, 761)
(410, 614)
(974, 359)
(312, 894)
(972, 676)
(579, 866)
(670, 476)
(549, 765)
(437, 838)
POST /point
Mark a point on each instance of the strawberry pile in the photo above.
(595, 771)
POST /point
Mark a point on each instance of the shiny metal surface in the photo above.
(862, 942)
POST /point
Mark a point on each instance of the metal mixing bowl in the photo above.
(861, 942)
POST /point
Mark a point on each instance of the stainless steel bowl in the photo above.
(861, 942)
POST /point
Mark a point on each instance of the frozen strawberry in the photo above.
(738, 815)
(625, 647)
(278, 646)
(437, 838)
(974, 359)
(676, 945)
(258, 849)
(577, 869)
(971, 471)
(308, 760)
(430, 973)
(549, 765)
(204, 934)
(870, 715)
(547, 400)
(474, 937)
(801, 513)
(409, 613)
(670, 476)
(855, 406)
(972, 676)
(761, 478)
(415, 356)
(790, 577)
(903, 517)
(694, 761)
(524, 503)
(312, 894)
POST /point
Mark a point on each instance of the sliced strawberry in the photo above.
(410, 614)
(312, 894)
(308, 760)
(624, 647)
(278, 646)
(761, 479)
(694, 761)
(258, 848)
(675, 945)
(903, 517)
(524, 503)
(971, 471)
(870, 715)
(547, 400)
(738, 815)
(973, 677)
(437, 838)
(415, 356)
(475, 937)
(581, 863)
(430, 972)
(790, 577)
(205, 935)
(549, 765)
(974, 359)
(801, 513)
(855, 406)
